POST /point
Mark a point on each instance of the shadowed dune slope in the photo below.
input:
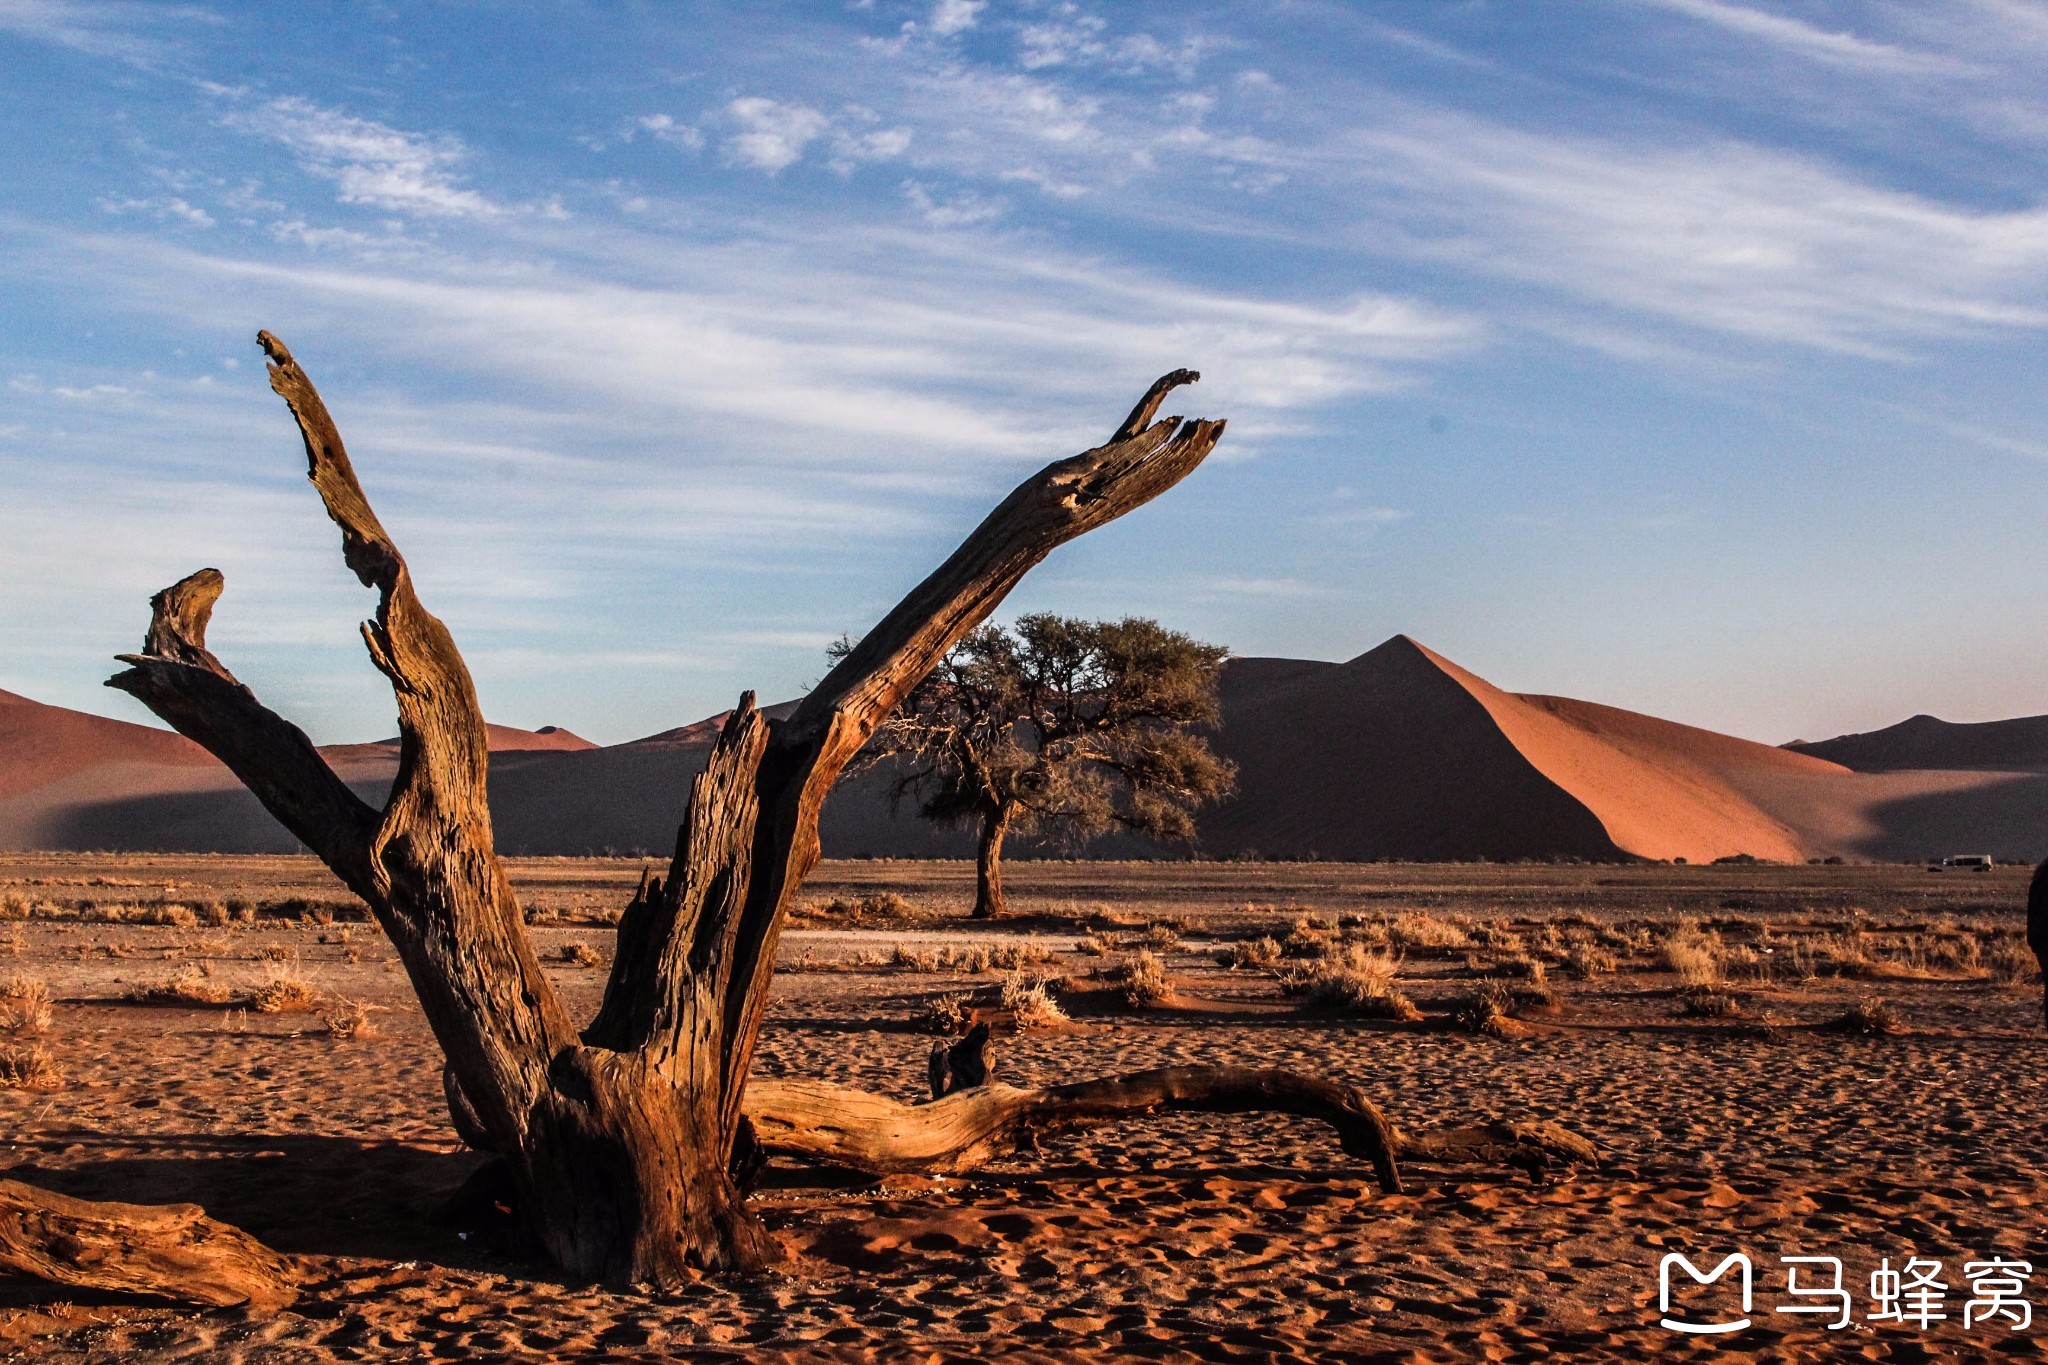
(1925, 742)
(1398, 753)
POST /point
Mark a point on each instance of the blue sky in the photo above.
(1684, 355)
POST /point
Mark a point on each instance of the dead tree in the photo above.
(173, 1251)
(619, 1137)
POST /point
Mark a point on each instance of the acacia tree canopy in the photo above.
(1063, 728)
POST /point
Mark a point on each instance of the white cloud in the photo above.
(1728, 237)
(108, 28)
(165, 208)
(373, 163)
(773, 135)
(965, 209)
(664, 128)
(1805, 40)
(955, 16)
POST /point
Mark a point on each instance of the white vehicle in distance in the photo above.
(1964, 862)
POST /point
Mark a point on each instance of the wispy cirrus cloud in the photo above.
(1798, 38)
(122, 29)
(372, 164)
(1728, 237)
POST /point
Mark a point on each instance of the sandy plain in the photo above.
(1763, 1130)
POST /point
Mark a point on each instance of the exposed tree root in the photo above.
(966, 1129)
(171, 1250)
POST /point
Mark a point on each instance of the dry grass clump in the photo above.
(945, 1015)
(580, 955)
(1484, 1010)
(1307, 938)
(1253, 952)
(1414, 929)
(14, 906)
(882, 905)
(346, 1019)
(1693, 956)
(1518, 967)
(1144, 981)
(972, 959)
(1868, 1016)
(192, 986)
(1094, 945)
(24, 1005)
(1706, 1002)
(1494, 936)
(29, 1068)
(284, 993)
(1358, 981)
(1589, 961)
(1031, 1003)
(2011, 962)
(1163, 936)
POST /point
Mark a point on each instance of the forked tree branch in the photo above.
(178, 678)
(807, 752)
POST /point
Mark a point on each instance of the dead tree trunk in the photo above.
(619, 1138)
(989, 901)
(967, 1128)
(171, 1250)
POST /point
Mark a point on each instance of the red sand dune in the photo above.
(1398, 753)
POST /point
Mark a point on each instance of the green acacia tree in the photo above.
(1060, 728)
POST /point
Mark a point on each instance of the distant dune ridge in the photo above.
(1398, 753)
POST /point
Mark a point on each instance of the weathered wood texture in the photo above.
(619, 1139)
(968, 1128)
(965, 1129)
(173, 1251)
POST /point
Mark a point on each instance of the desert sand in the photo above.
(1399, 753)
(1228, 1237)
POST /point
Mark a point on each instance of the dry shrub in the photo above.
(1143, 977)
(973, 958)
(1306, 939)
(1359, 981)
(2011, 962)
(16, 987)
(1483, 1010)
(1869, 1016)
(24, 1005)
(14, 906)
(1163, 936)
(1695, 958)
(1031, 1003)
(1417, 930)
(346, 1019)
(1254, 952)
(880, 905)
(1590, 962)
(1705, 1002)
(1095, 945)
(924, 960)
(29, 1068)
(580, 955)
(284, 993)
(193, 986)
(1518, 967)
(277, 952)
(944, 1015)
(1494, 936)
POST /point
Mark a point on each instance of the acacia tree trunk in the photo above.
(989, 901)
(619, 1138)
